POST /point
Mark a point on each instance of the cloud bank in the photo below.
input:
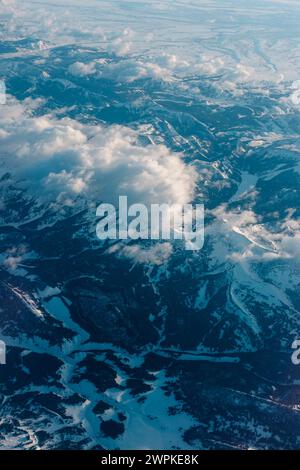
(66, 159)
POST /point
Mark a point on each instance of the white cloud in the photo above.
(165, 67)
(59, 160)
(157, 254)
(62, 156)
(295, 96)
(12, 262)
(122, 44)
(79, 69)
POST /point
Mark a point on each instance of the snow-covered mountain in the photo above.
(144, 344)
